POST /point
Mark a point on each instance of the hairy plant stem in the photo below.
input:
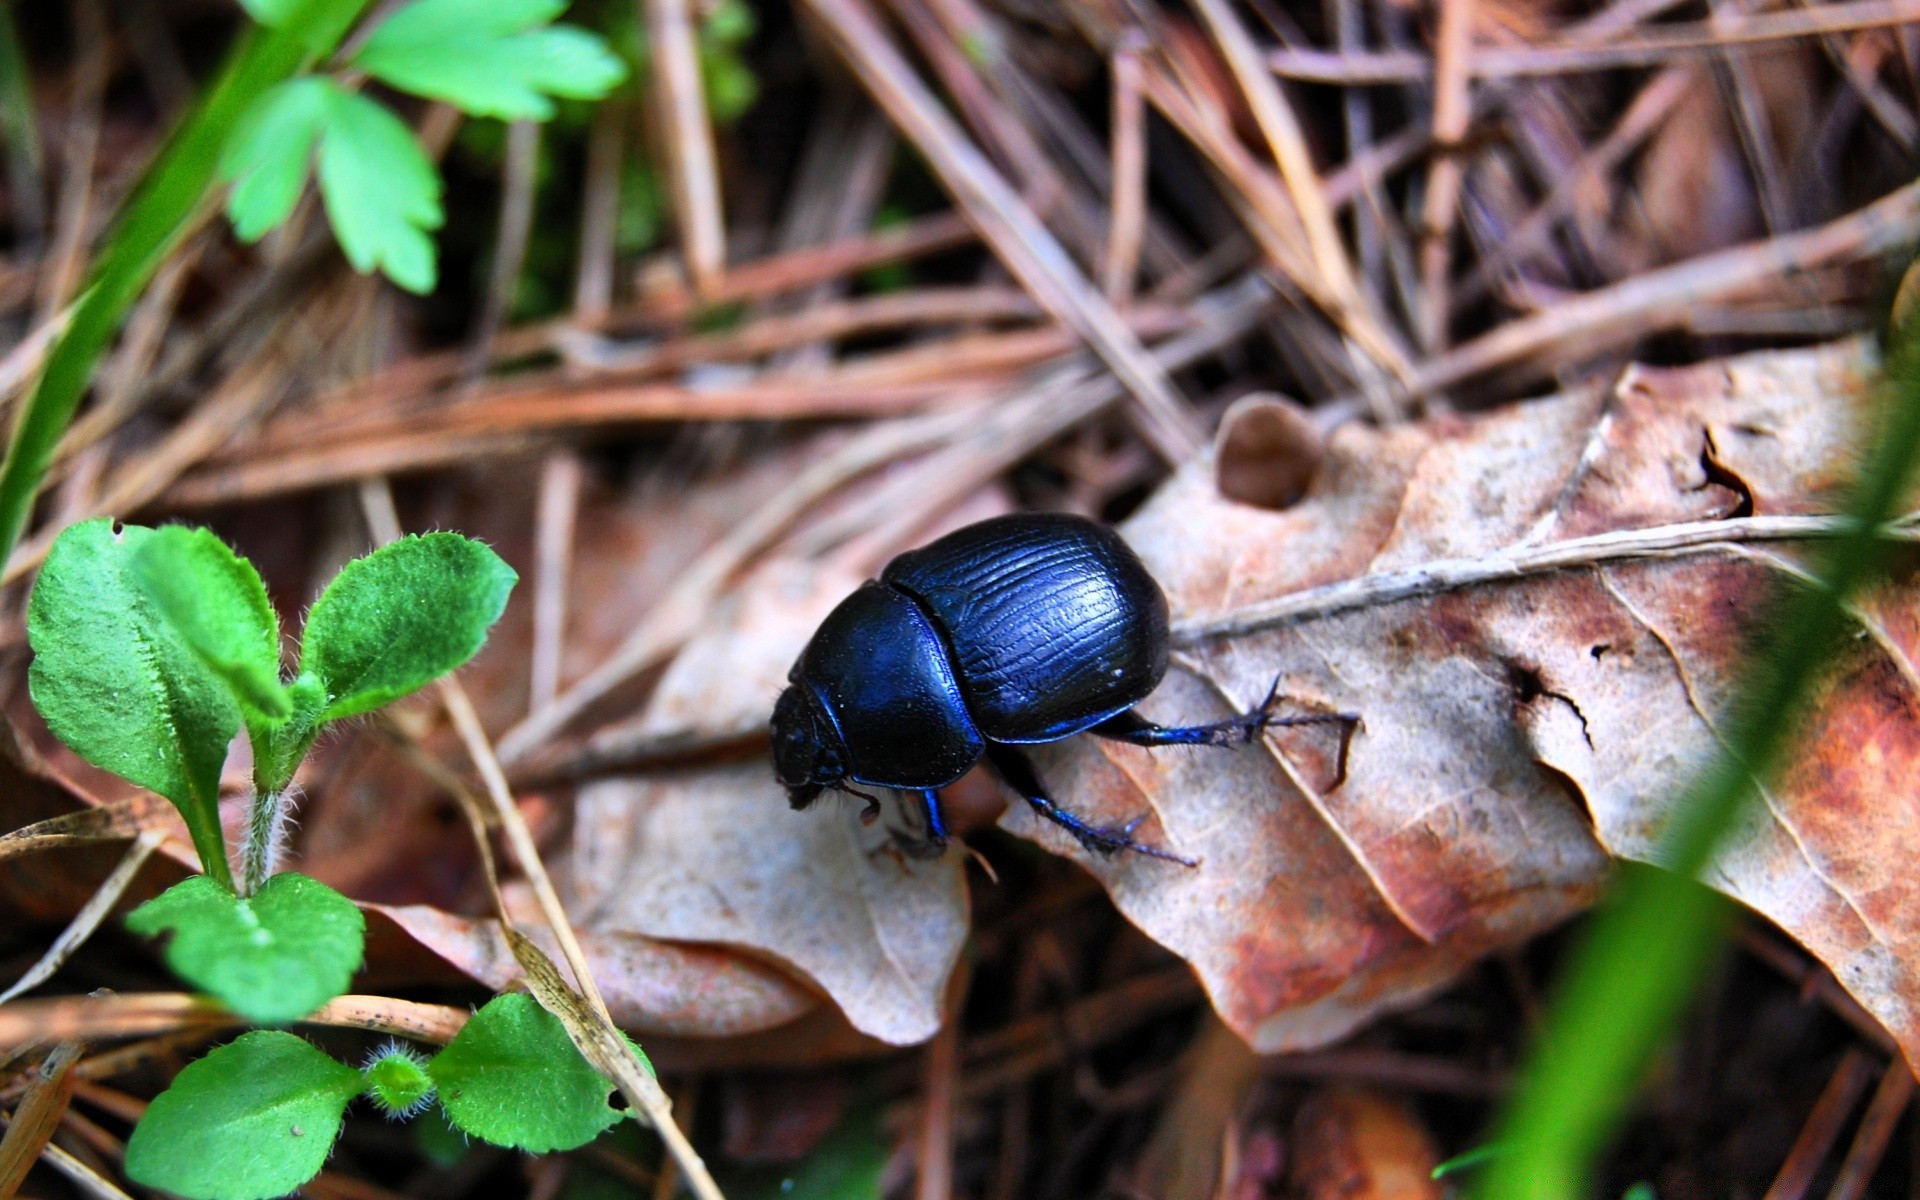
(267, 815)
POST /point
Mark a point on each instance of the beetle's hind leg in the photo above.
(1130, 726)
(1018, 772)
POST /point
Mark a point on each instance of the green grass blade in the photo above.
(20, 129)
(1629, 981)
(159, 214)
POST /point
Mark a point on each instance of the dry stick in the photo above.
(589, 1024)
(80, 1174)
(1648, 111)
(935, 1151)
(1681, 539)
(1884, 1111)
(1650, 47)
(599, 216)
(553, 520)
(1822, 1128)
(1451, 112)
(1860, 61)
(1662, 297)
(689, 136)
(27, 1023)
(37, 1116)
(510, 243)
(1017, 237)
(1127, 222)
(90, 915)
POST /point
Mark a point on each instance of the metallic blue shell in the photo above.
(1054, 623)
(882, 675)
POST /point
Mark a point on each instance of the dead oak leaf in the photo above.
(1539, 614)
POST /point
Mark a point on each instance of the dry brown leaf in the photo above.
(1353, 1144)
(650, 987)
(1514, 733)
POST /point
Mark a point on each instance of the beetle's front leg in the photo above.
(1018, 772)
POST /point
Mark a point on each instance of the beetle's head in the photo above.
(807, 757)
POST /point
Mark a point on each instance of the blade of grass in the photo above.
(20, 128)
(1630, 980)
(159, 214)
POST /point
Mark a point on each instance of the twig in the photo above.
(1017, 237)
(935, 1149)
(1505, 566)
(1755, 127)
(599, 215)
(689, 136)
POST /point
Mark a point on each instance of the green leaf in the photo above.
(382, 193)
(512, 1077)
(118, 684)
(272, 957)
(401, 617)
(268, 12)
(255, 1118)
(268, 157)
(490, 58)
(219, 608)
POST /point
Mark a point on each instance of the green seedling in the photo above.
(259, 1116)
(154, 647)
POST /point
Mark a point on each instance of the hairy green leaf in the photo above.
(217, 604)
(381, 192)
(271, 957)
(120, 686)
(255, 1118)
(268, 157)
(401, 617)
(397, 1080)
(490, 58)
(512, 1077)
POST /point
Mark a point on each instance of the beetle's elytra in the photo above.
(1018, 630)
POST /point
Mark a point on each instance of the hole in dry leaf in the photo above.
(1718, 475)
(1267, 452)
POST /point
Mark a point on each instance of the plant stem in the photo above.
(266, 832)
(158, 215)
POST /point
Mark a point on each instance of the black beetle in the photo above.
(1014, 631)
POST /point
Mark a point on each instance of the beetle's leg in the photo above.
(936, 824)
(1131, 727)
(1018, 772)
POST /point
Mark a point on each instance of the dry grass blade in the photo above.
(103, 823)
(37, 1116)
(1127, 221)
(1450, 115)
(1017, 237)
(1884, 1111)
(90, 915)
